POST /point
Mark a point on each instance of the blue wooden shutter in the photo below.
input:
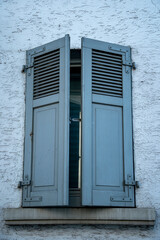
(107, 160)
(46, 158)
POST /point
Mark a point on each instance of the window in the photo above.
(75, 129)
(73, 103)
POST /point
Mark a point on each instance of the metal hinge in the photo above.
(131, 182)
(33, 199)
(25, 67)
(129, 198)
(129, 64)
(24, 183)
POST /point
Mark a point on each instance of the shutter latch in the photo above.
(25, 67)
(131, 182)
(24, 183)
(74, 120)
(129, 64)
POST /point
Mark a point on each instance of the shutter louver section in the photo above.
(46, 74)
(106, 73)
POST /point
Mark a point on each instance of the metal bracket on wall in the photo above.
(25, 67)
(129, 64)
(26, 194)
(24, 183)
(130, 183)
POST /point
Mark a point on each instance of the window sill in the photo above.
(123, 216)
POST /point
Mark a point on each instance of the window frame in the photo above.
(87, 46)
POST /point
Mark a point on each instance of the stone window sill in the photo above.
(123, 216)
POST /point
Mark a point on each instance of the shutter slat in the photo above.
(54, 69)
(106, 61)
(47, 60)
(108, 94)
(105, 53)
(105, 78)
(47, 55)
(104, 85)
(46, 70)
(39, 84)
(46, 74)
(106, 73)
(106, 70)
(105, 90)
(46, 65)
(46, 94)
(46, 89)
(49, 76)
(47, 86)
(103, 73)
(102, 81)
(107, 64)
(107, 58)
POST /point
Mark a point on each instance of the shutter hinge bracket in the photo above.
(24, 183)
(33, 199)
(129, 64)
(25, 67)
(130, 182)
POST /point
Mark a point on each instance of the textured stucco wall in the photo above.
(25, 24)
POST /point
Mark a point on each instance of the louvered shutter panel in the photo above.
(107, 161)
(46, 158)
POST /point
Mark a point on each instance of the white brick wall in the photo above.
(25, 24)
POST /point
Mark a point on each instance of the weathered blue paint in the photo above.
(107, 158)
(46, 161)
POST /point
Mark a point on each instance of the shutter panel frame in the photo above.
(125, 195)
(30, 197)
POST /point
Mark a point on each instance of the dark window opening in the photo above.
(75, 129)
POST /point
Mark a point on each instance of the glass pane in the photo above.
(75, 131)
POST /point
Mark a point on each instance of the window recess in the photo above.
(78, 133)
(75, 129)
